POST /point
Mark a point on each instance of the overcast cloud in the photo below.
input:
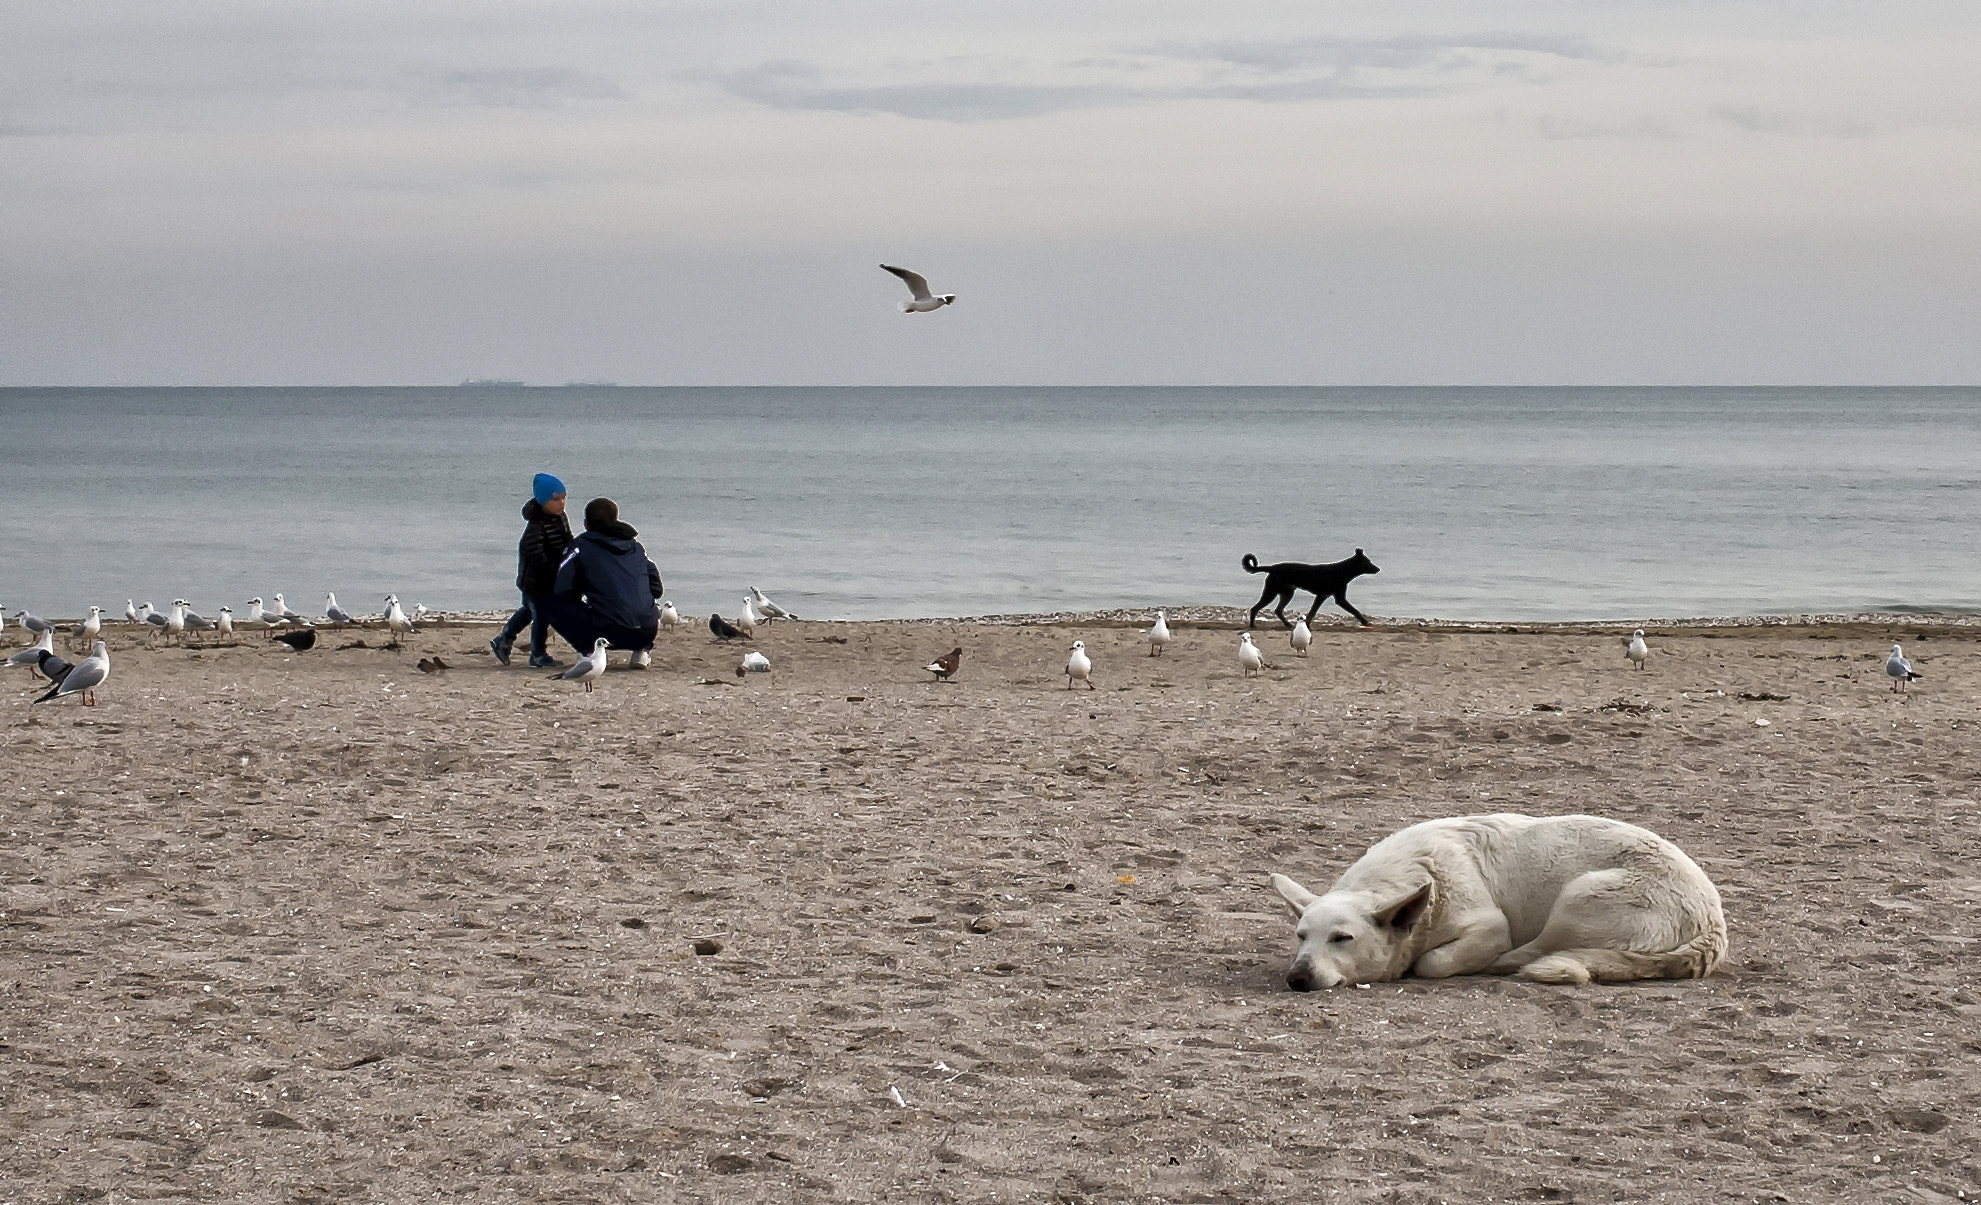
(346, 192)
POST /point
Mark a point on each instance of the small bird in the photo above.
(766, 608)
(669, 617)
(586, 669)
(944, 667)
(130, 612)
(31, 655)
(724, 630)
(226, 621)
(1080, 666)
(918, 285)
(92, 627)
(54, 668)
(335, 613)
(1159, 635)
(83, 679)
(299, 640)
(433, 665)
(755, 662)
(747, 619)
(1249, 655)
(1636, 650)
(1901, 670)
(34, 623)
(395, 619)
(1302, 638)
(284, 613)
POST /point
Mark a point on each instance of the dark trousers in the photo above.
(530, 613)
(577, 622)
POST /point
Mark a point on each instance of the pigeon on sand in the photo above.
(1159, 635)
(925, 301)
(723, 630)
(1900, 670)
(1637, 650)
(588, 668)
(1080, 666)
(944, 667)
(299, 640)
(89, 673)
(54, 668)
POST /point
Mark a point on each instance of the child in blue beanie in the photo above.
(546, 535)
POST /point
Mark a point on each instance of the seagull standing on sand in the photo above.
(1302, 638)
(88, 674)
(31, 655)
(395, 619)
(92, 627)
(335, 613)
(586, 669)
(1159, 635)
(1900, 670)
(175, 623)
(34, 623)
(282, 609)
(1249, 655)
(766, 608)
(257, 615)
(746, 619)
(226, 621)
(1637, 650)
(130, 612)
(1080, 666)
(195, 622)
(925, 301)
(154, 619)
(669, 617)
(944, 667)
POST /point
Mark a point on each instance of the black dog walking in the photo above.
(1323, 581)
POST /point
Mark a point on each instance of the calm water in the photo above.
(868, 503)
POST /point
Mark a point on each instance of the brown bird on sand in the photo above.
(723, 629)
(944, 667)
(432, 665)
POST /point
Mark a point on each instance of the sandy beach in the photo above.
(321, 928)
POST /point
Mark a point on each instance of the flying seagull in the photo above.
(88, 674)
(722, 629)
(944, 667)
(1900, 669)
(1080, 666)
(925, 301)
(587, 668)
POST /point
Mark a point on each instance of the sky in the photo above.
(237, 192)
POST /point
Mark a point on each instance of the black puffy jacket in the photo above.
(608, 566)
(541, 550)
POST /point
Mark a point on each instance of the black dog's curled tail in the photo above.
(1251, 563)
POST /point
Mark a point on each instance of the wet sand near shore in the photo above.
(319, 927)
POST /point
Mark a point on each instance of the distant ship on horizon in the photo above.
(473, 381)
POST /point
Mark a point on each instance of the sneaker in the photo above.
(500, 648)
(545, 663)
(640, 660)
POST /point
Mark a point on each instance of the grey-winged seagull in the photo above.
(918, 284)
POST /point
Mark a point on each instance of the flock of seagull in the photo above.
(83, 677)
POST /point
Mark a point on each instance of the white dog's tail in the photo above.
(1693, 960)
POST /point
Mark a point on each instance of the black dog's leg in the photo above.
(1285, 596)
(1341, 596)
(1272, 588)
(1315, 609)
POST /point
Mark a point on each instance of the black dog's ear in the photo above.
(1406, 912)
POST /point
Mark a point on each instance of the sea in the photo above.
(1484, 504)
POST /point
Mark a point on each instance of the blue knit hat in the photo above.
(546, 487)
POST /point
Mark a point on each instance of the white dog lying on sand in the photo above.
(1561, 899)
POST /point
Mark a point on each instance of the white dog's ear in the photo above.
(1296, 896)
(1406, 912)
